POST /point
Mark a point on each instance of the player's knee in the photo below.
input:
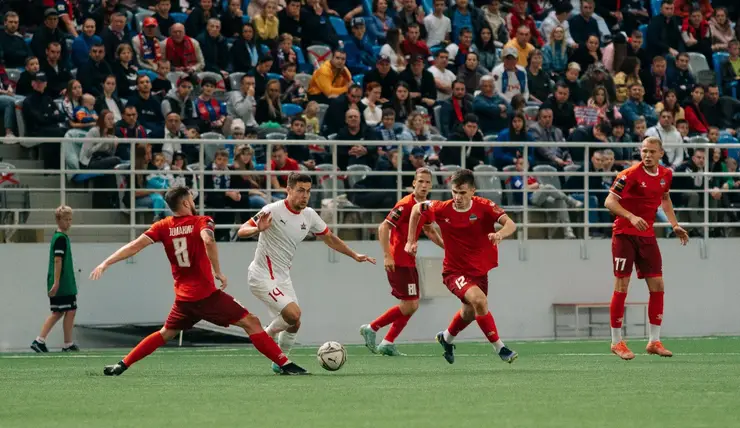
(70, 313)
(408, 307)
(621, 284)
(467, 313)
(294, 328)
(291, 314)
(168, 334)
(655, 284)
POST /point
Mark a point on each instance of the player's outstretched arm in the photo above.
(209, 239)
(411, 240)
(433, 234)
(255, 225)
(613, 205)
(123, 253)
(336, 244)
(667, 206)
(384, 236)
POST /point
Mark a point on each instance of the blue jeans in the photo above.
(154, 201)
(660, 217)
(256, 202)
(593, 204)
(7, 105)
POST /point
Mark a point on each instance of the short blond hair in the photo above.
(653, 140)
(62, 211)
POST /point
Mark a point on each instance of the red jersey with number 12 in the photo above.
(399, 219)
(640, 193)
(191, 268)
(468, 251)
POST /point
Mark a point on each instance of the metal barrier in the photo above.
(335, 189)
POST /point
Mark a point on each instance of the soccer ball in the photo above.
(331, 356)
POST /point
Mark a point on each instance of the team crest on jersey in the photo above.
(473, 218)
(662, 182)
(643, 184)
(303, 226)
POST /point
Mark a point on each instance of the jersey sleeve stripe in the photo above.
(149, 237)
(391, 223)
(324, 232)
(615, 194)
(252, 223)
(61, 252)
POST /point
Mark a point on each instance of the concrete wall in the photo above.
(701, 298)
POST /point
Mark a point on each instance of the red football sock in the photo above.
(488, 326)
(144, 348)
(267, 347)
(655, 307)
(457, 324)
(616, 309)
(397, 327)
(388, 317)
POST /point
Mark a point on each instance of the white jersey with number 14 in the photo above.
(276, 246)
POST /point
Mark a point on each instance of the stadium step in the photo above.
(11, 152)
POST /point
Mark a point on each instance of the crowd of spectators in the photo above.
(603, 71)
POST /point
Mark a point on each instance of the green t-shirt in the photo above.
(736, 66)
(61, 247)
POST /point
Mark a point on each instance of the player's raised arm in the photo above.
(258, 223)
(613, 205)
(336, 244)
(667, 206)
(123, 253)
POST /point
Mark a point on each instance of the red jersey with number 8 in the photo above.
(191, 268)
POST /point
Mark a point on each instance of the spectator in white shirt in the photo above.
(437, 24)
(443, 77)
(668, 134)
(558, 17)
(509, 78)
(373, 113)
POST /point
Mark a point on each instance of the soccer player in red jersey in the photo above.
(190, 245)
(400, 267)
(471, 244)
(634, 198)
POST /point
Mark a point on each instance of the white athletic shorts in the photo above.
(275, 295)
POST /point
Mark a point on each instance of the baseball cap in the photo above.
(50, 12)
(418, 152)
(510, 51)
(599, 67)
(416, 57)
(384, 58)
(356, 22)
(150, 21)
(40, 77)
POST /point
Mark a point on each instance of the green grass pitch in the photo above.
(553, 384)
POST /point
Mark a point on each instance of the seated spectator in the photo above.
(40, 110)
(455, 110)
(687, 189)
(301, 154)
(664, 34)
(7, 102)
(266, 23)
(125, 72)
(555, 53)
(183, 52)
(146, 197)
(114, 35)
(221, 193)
(338, 107)
(181, 101)
(468, 73)
(385, 76)
(214, 48)
(146, 45)
(635, 13)
(360, 46)
(198, 18)
(639, 129)
(563, 110)
(540, 85)
(49, 32)
(521, 43)
(584, 24)
(161, 84)
(242, 102)
(93, 73)
(291, 90)
(281, 162)
(670, 103)
(128, 127)
(231, 20)
(148, 106)
(84, 42)
(284, 53)
(595, 76)
(244, 53)
(330, 80)
(443, 77)
(635, 107)
(681, 79)
(417, 129)
(412, 43)
(544, 196)
(109, 100)
(655, 80)
(628, 75)
(401, 102)
(420, 82)
(264, 65)
(461, 50)
(373, 112)
(162, 15)
(380, 22)
(72, 99)
(317, 29)
(496, 22)
(175, 130)
(695, 112)
(389, 128)
(721, 30)
(622, 155)
(517, 131)
(268, 107)
(410, 13)
(592, 134)
(311, 116)
(437, 25)
(635, 48)
(519, 18)
(543, 130)
(104, 13)
(291, 21)
(354, 130)
(468, 131)
(491, 108)
(387, 162)
(249, 185)
(211, 112)
(15, 49)
(57, 73)
(97, 155)
(510, 78)
(600, 101)
(392, 50)
(730, 68)
(487, 50)
(558, 17)
(683, 129)
(588, 53)
(719, 111)
(668, 134)
(84, 115)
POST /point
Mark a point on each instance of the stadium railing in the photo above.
(332, 188)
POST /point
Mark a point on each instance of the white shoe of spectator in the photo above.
(569, 233)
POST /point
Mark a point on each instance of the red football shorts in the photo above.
(642, 251)
(219, 308)
(404, 283)
(460, 284)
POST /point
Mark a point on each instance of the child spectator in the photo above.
(23, 87)
(85, 113)
(162, 85)
(311, 114)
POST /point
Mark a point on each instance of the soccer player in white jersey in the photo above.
(282, 225)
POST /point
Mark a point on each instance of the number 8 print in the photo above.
(181, 252)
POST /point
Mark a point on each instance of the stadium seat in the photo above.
(314, 137)
(644, 29)
(437, 115)
(179, 17)
(447, 171)
(220, 84)
(489, 186)
(655, 6)
(246, 19)
(174, 76)
(271, 76)
(428, 6)
(264, 49)
(20, 122)
(367, 7)
(489, 138)
(235, 80)
(14, 74)
(717, 59)
(729, 139)
(530, 112)
(326, 183)
(292, 109)
(547, 179)
(332, 136)
(122, 183)
(339, 26)
(509, 196)
(358, 78)
(303, 66)
(322, 112)
(437, 137)
(276, 136)
(210, 149)
(317, 54)
(697, 63)
(146, 72)
(73, 72)
(571, 168)
(304, 79)
(538, 24)
(353, 179)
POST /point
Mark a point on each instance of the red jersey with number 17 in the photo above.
(468, 251)
(641, 193)
(191, 268)
(399, 219)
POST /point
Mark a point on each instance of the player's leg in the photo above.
(281, 300)
(68, 324)
(39, 344)
(144, 348)
(266, 346)
(387, 345)
(623, 257)
(475, 295)
(650, 266)
(459, 322)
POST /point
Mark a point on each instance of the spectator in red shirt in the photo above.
(281, 162)
(694, 115)
(412, 44)
(519, 17)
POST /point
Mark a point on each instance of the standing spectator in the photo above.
(214, 48)
(48, 32)
(696, 34)
(563, 110)
(520, 42)
(681, 80)
(231, 20)
(148, 48)
(268, 106)
(584, 24)
(540, 85)
(636, 107)
(148, 107)
(242, 102)
(670, 102)
(331, 79)
(519, 18)
(392, 49)
(668, 135)
(15, 50)
(162, 15)
(468, 73)
(664, 36)
(211, 112)
(93, 73)
(125, 72)
(588, 53)
(698, 123)
(420, 82)
(467, 131)
(555, 53)
(198, 18)
(292, 20)
(183, 51)
(114, 35)
(443, 77)
(510, 78)
(57, 74)
(544, 131)
(40, 110)
(438, 25)
(266, 23)
(490, 107)
(219, 192)
(454, 111)
(730, 69)
(84, 42)
(109, 100)
(558, 18)
(244, 53)
(721, 29)
(517, 131)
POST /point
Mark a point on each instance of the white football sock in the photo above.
(276, 326)
(40, 339)
(385, 342)
(498, 345)
(68, 344)
(654, 333)
(286, 341)
(616, 335)
(448, 337)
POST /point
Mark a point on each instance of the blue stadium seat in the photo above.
(144, 72)
(82, 178)
(538, 24)
(644, 29)
(271, 76)
(655, 6)
(339, 27)
(303, 66)
(729, 139)
(367, 8)
(358, 78)
(179, 17)
(245, 19)
(264, 49)
(435, 49)
(292, 109)
(717, 59)
(428, 6)
(376, 50)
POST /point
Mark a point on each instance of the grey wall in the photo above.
(336, 298)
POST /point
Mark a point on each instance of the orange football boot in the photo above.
(622, 351)
(656, 348)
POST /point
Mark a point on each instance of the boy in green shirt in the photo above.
(61, 284)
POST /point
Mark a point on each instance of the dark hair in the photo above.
(470, 118)
(130, 107)
(411, 25)
(562, 85)
(658, 59)
(387, 112)
(175, 196)
(288, 65)
(563, 7)
(295, 178)
(456, 82)
(665, 2)
(278, 147)
(297, 118)
(463, 176)
(353, 87)
(681, 122)
(338, 50)
(142, 76)
(521, 135)
(629, 64)
(604, 127)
